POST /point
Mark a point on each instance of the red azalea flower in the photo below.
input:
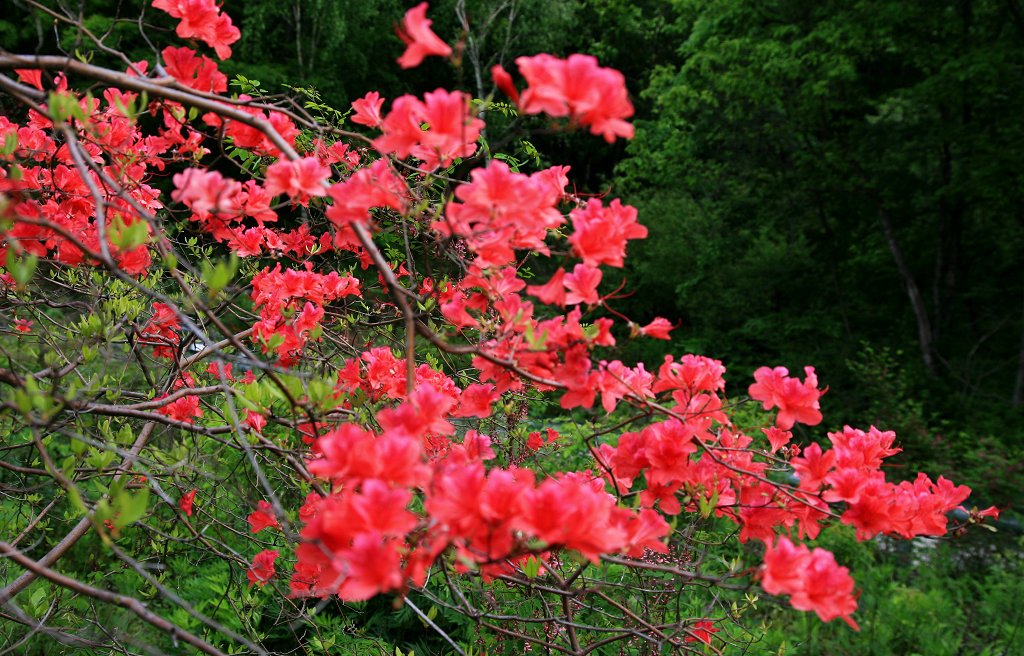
(262, 569)
(702, 632)
(797, 402)
(419, 38)
(185, 502)
(262, 518)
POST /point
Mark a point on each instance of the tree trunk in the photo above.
(1018, 385)
(924, 329)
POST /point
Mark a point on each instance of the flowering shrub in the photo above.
(349, 330)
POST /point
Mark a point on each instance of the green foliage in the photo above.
(945, 597)
(785, 139)
(330, 45)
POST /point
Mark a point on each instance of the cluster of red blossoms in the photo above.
(50, 197)
(812, 579)
(201, 19)
(291, 305)
(576, 87)
(366, 535)
(363, 539)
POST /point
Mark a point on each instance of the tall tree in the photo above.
(875, 138)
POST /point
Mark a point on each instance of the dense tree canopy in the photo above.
(856, 166)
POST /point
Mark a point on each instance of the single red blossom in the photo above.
(255, 421)
(504, 82)
(249, 242)
(263, 518)
(535, 441)
(702, 631)
(368, 110)
(991, 511)
(374, 186)
(185, 409)
(797, 402)
(374, 566)
(813, 580)
(134, 261)
(309, 509)
(262, 569)
(658, 328)
(198, 72)
(161, 331)
(310, 432)
(777, 437)
(452, 129)
(204, 191)
(32, 76)
(185, 502)
(300, 179)
(216, 369)
(582, 285)
(784, 567)
(813, 465)
(692, 374)
(552, 293)
(420, 39)
(474, 447)
(600, 233)
(402, 127)
(23, 325)
(577, 87)
(828, 589)
(184, 380)
(476, 400)
(856, 449)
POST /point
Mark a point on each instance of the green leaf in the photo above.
(218, 276)
(130, 507)
(531, 567)
(128, 237)
(21, 269)
(10, 144)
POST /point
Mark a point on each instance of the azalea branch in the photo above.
(171, 89)
(181, 603)
(83, 525)
(435, 627)
(399, 485)
(130, 603)
(99, 205)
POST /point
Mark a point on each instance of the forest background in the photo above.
(839, 181)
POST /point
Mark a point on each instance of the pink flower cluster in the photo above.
(201, 19)
(797, 402)
(451, 128)
(849, 473)
(291, 305)
(591, 96)
(502, 211)
(812, 579)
